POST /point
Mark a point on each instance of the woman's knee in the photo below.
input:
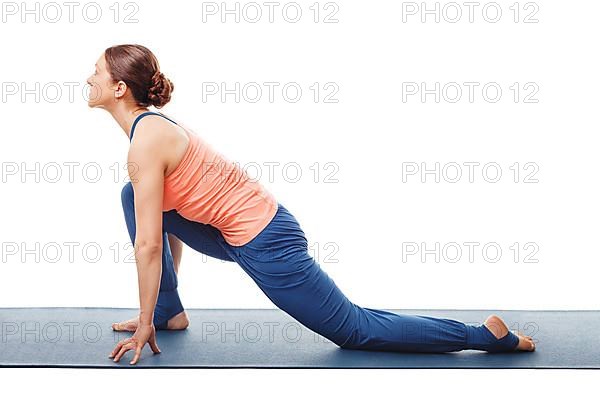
(351, 342)
(127, 194)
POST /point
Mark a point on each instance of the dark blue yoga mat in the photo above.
(270, 338)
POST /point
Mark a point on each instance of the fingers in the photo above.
(117, 348)
(136, 357)
(152, 342)
(122, 347)
(154, 345)
(125, 349)
(137, 344)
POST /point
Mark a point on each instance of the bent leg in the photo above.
(168, 303)
(200, 237)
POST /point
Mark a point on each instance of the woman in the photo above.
(182, 190)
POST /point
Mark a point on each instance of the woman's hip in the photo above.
(282, 239)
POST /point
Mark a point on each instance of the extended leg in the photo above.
(278, 261)
(307, 293)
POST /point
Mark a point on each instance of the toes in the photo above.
(118, 326)
(124, 326)
(530, 345)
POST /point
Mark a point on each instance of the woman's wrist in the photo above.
(146, 319)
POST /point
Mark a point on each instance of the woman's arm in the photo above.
(147, 178)
(176, 250)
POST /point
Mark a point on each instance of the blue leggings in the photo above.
(277, 259)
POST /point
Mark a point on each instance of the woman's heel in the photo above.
(481, 338)
(508, 342)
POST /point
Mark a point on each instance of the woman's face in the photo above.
(103, 91)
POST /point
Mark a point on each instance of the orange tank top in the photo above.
(209, 188)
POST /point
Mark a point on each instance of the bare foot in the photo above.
(178, 322)
(126, 326)
(497, 326)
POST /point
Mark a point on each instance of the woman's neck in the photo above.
(125, 116)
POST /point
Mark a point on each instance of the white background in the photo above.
(356, 225)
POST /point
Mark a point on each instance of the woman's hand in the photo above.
(144, 334)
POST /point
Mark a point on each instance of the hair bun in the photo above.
(159, 92)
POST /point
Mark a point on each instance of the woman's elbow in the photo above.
(148, 246)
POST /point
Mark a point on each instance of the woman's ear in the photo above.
(121, 89)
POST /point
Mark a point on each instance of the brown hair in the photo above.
(137, 66)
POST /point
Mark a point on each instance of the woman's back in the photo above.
(207, 187)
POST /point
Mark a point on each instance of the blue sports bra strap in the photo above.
(137, 119)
